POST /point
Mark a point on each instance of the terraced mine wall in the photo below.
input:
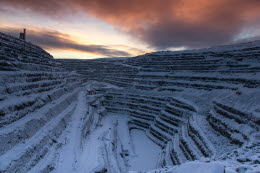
(194, 104)
(37, 101)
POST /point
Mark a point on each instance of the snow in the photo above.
(20, 149)
(91, 157)
(48, 122)
(69, 154)
(196, 167)
(146, 152)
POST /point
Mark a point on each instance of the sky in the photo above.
(88, 29)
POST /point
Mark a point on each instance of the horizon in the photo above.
(100, 29)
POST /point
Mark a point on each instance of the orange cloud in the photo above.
(53, 40)
(162, 23)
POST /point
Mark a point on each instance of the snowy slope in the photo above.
(194, 104)
(185, 111)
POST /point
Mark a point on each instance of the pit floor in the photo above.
(146, 152)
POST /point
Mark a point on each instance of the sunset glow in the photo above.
(115, 28)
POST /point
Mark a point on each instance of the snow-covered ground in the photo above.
(68, 156)
(94, 155)
(186, 111)
(146, 152)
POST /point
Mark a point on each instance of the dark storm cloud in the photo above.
(52, 40)
(161, 23)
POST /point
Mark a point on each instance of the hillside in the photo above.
(194, 110)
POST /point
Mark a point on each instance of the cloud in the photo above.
(161, 23)
(52, 40)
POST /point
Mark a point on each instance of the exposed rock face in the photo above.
(196, 105)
